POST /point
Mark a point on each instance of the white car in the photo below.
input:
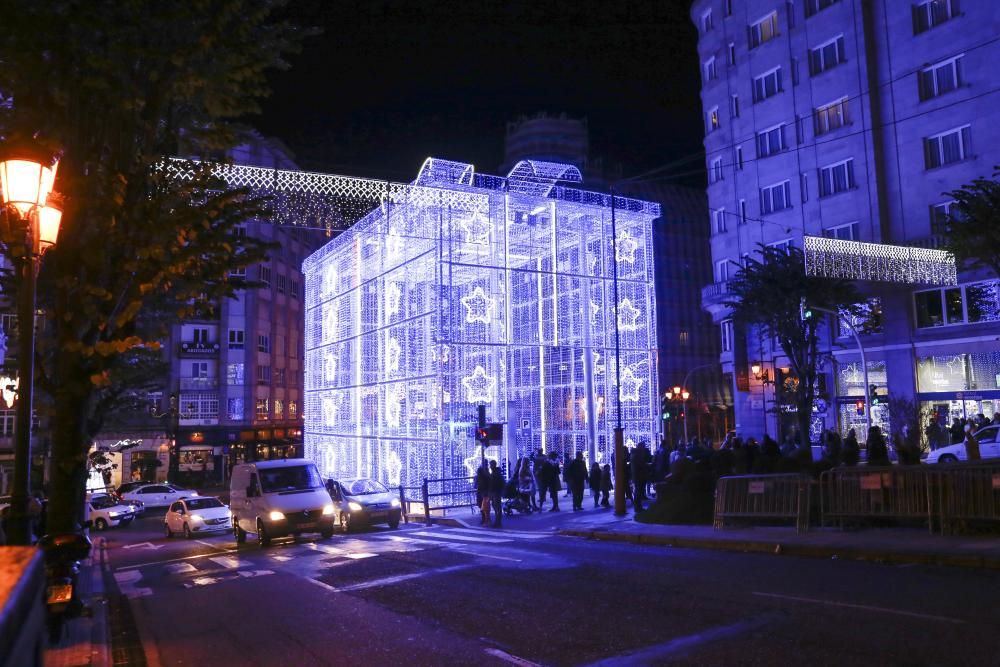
(197, 514)
(158, 495)
(989, 447)
(104, 512)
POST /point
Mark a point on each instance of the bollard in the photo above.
(427, 504)
(403, 508)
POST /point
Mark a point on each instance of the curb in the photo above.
(100, 648)
(784, 549)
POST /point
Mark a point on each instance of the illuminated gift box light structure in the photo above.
(463, 289)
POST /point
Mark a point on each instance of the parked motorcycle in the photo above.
(62, 554)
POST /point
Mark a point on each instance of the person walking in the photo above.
(595, 482)
(851, 452)
(526, 483)
(497, 482)
(483, 493)
(576, 476)
(971, 444)
(538, 470)
(640, 474)
(606, 485)
(552, 480)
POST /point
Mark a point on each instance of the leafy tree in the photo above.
(119, 87)
(767, 293)
(974, 224)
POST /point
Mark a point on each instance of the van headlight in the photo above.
(395, 502)
(354, 507)
(276, 516)
(327, 510)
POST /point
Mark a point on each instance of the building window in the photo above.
(739, 158)
(826, 56)
(264, 275)
(767, 85)
(712, 122)
(684, 339)
(234, 409)
(7, 419)
(763, 30)
(199, 369)
(716, 171)
(836, 178)
(831, 116)
(726, 331)
(281, 283)
(200, 405)
(235, 374)
(800, 131)
(719, 218)
(263, 374)
(814, 6)
(706, 21)
(804, 186)
(941, 217)
(711, 71)
(279, 377)
(293, 409)
(743, 211)
(279, 409)
(848, 232)
(865, 317)
(728, 4)
(263, 343)
(939, 79)
(732, 54)
(965, 304)
(261, 411)
(240, 232)
(239, 273)
(236, 339)
(295, 289)
(775, 197)
(771, 141)
(926, 15)
(783, 245)
(292, 347)
(947, 147)
(722, 271)
(734, 106)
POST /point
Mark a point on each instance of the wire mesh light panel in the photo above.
(459, 291)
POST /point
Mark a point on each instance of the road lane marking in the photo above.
(172, 560)
(280, 558)
(180, 568)
(127, 584)
(863, 607)
(507, 533)
(463, 538)
(209, 544)
(144, 545)
(386, 581)
(227, 562)
(512, 659)
(360, 555)
(473, 553)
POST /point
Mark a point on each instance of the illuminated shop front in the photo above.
(959, 385)
(462, 290)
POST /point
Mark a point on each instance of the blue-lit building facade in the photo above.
(463, 289)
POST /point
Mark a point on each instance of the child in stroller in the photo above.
(514, 500)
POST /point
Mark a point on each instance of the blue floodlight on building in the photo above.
(464, 289)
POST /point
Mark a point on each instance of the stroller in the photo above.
(514, 502)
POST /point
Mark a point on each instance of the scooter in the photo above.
(62, 553)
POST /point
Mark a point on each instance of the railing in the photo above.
(894, 492)
(447, 493)
(763, 497)
(199, 348)
(198, 383)
(969, 492)
(715, 293)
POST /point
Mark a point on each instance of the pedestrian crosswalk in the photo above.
(234, 564)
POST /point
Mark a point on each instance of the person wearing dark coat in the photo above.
(606, 485)
(878, 451)
(576, 477)
(497, 482)
(482, 490)
(595, 482)
(552, 480)
(640, 474)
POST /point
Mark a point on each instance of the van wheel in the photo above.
(101, 524)
(394, 524)
(345, 522)
(263, 539)
(239, 533)
(948, 458)
(187, 532)
(326, 533)
(166, 530)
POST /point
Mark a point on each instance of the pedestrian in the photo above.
(971, 444)
(565, 472)
(497, 482)
(933, 433)
(526, 483)
(640, 474)
(957, 432)
(552, 480)
(576, 476)
(878, 450)
(483, 493)
(851, 452)
(606, 485)
(541, 477)
(595, 482)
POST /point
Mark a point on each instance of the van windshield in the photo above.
(292, 478)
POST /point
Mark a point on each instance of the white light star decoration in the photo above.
(393, 410)
(477, 229)
(329, 325)
(478, 306)
(392, 298)
(330, 279)
(630, 385)
(392, 354)
(629, 443)
(626, 247)
(628, 316)
(393, 466)
(479, 386)
(8, 390)
(473, 462)
(330, 369)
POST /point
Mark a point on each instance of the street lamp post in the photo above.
(620, 473)
(173, 415)
(687, 378)
(762, 375)
(32, 217)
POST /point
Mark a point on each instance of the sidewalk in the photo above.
(886, 545)
(86, 640)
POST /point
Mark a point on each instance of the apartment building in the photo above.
(851, 119)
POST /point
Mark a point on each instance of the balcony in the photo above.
(715, 294)
(198, 384)
(199, 349)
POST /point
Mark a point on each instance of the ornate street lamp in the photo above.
(32, 214)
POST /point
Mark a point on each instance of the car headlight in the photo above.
(114, 515)
(354, 507)
(276, 516)
(395, 502)
(327, 510)
(197, 517)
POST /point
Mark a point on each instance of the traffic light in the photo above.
(482, 436)
(664, 407)
(805, 313)
(873, 394)
(859, 405)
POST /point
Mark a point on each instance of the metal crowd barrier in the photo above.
(894, 492)
(968, 492)
(447, 493)
(783, 496)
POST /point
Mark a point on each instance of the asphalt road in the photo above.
(448, 596)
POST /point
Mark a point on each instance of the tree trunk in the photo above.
(68, 469)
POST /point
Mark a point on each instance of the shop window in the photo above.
(965, 304)
(930, 312)
(942, 373)
(234, 409)
(865, 317)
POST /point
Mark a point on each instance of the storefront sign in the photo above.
(871, 482)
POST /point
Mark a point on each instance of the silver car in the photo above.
(362, 502)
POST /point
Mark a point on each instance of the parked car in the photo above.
(197, 514)
(104, 512)
(135, 505)
(158, 495)
(276, 498)
(362, 502)
(989, 447)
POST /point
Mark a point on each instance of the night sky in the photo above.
(389, 83)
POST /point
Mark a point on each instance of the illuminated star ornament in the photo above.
(628, 316)
(626, 247)
(479, 386)
(477, 229)
(330, 369)
(393, 466)
(392, 298)
(392, 352)
(478, 306)
(630, 385)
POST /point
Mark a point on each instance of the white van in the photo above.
(276, 498)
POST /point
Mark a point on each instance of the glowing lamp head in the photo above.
(669, 395)
(755, 369)
(26, 177)
(677, 390)
(685, 395)
(49, 217)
